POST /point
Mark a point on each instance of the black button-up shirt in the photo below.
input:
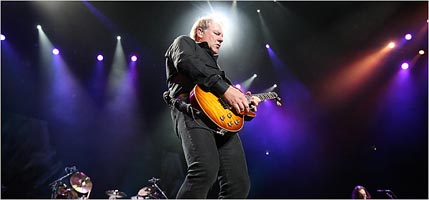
(189, 63)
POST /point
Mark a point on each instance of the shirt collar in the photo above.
(205, 46)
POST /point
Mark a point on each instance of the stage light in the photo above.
(408, 36)
(100, 57)
(55, 51)
(134, 58)
(267, 153)
(421, 52)
(2, 37)
(404, 65)
(39, 27)
(275, 0)
(118, 37)
(391, 45)
(267, 46)
(238, 86)
(270, 89)
(255, 75)
(258, 11)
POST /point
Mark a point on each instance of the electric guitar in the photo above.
(221, 113)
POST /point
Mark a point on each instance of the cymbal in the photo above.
(81, 182)
(115, 194)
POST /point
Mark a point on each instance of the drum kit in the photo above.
(77, 185)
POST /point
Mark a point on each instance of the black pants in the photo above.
(210, 156)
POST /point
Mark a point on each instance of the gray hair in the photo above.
(202, 23)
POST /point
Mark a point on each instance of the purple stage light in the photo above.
(100, 57)
(404, 65)
(421, 52)
(134, 58)
(238, 86)
(2, 37)
(55, 51)
(408, 36)
(267, 46)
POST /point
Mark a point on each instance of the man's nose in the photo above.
(220, 39)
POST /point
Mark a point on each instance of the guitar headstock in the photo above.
(276, 98)
(278, 101)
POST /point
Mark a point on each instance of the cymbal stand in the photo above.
(87, 197)
(153, 180)
(69, 171)
(391, 194)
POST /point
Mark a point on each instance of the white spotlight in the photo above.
(255, 75)
(258, 11)
(2, 37)
(391, 45)
(39, 27)
(55, 51)
(118, 37)
(421, 52)
(275, 85)
(133, 58)
(408, 36)
(100, 57)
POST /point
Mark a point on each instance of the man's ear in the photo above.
(200, 32)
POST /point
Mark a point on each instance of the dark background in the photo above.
(329, 136)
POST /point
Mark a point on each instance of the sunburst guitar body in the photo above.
(220, 112)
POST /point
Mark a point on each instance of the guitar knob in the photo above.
(237, 122)
(222, 117)
(229, 124)
(229, 115)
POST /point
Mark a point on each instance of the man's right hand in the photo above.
(236, 99)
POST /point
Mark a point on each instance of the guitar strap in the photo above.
(187, 108)
(178, 103)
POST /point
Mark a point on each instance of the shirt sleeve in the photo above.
(185, 57)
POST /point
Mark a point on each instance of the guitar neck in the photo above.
(265, 96)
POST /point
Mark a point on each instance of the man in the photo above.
(210, 156)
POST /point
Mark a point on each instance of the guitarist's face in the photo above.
(213, 35)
